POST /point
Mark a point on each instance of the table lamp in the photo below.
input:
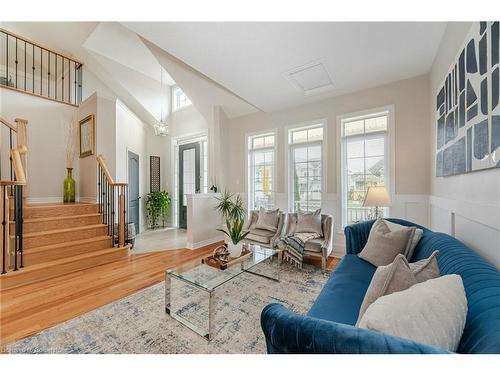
(377, 196)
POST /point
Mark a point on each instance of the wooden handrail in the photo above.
(8, 124)
(111, 181)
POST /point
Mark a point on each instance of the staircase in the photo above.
(59, 239)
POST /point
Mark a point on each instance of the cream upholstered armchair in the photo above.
(263, 236)
(318, 247)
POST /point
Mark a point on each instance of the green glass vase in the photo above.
(69, 187)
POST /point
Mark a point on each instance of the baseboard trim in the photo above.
(87, 199)
(210, 241)
(44, 200)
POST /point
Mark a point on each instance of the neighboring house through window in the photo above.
(261, 162)
(305, 169)
(364, 162)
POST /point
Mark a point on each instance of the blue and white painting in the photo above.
(467, 106)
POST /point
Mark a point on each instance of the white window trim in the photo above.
(274, 132)
(324, 156)
(390, 160)
(173, 88)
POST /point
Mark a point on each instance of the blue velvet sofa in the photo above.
(329, 326)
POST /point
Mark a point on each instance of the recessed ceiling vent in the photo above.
(311, 79)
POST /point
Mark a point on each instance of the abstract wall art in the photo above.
(468, 107)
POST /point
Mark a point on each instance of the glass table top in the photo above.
(209, 278)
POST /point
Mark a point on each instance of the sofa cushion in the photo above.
(260, 235)
(414, 241)
(383, 244)
(314, 245)
(426, 269)
(432, 312)
(392, 278)
(343, 293)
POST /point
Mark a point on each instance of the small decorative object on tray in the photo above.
(221, 259)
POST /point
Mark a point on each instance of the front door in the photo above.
(133, 189)
(189, 177)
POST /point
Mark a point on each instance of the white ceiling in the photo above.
(253, 59)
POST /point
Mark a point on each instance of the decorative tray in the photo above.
(220, 258)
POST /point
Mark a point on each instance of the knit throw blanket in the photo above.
(294, 247)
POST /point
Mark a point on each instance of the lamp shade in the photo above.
(377, 196)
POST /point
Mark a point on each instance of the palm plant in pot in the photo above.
(233, 213)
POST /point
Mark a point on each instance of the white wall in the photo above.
(409, 99)
(46, 142)
(468, 205)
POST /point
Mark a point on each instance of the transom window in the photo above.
(364, 162)
(179, 99)
(306, 167)
(261, 157)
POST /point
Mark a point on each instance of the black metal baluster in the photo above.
(19, 222)
(62, 80)
(10, 156)
(126, 213)
(76, 100)
(108, 208)
(55, 84)
(25, 73)
(113, 215)
(16, 61)
(7, 62)
(48, 74)
(4, 223)
(69, 81)
(15, 230)
(99, 189)
(33, 69)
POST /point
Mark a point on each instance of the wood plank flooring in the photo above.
(28, 309)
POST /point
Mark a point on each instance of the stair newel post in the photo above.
(4, 204)
(122, 224)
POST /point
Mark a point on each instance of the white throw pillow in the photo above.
(414, 241)
(432, 312)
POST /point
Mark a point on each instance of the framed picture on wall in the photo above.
(87, 136)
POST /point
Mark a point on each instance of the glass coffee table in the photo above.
(187, 287)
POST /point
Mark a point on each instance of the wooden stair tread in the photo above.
(65, 230)
(49, 205)
(65, 260)
(61, 245)
(56, 218)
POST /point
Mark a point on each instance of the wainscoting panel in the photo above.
(477, 225)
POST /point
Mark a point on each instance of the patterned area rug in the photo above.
(138, 323)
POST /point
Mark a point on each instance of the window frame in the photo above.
(289, 188)
(389, 150)
(173, 90)
(248, 178)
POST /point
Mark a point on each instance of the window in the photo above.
(180, 100)
(261, 153)
(364, 162)
(306, 167)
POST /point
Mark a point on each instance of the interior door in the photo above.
(133, 189)
(189, 177)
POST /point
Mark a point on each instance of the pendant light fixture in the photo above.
(161, 128)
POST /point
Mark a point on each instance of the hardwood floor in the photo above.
(28, 309)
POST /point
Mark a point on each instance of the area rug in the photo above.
(139, 324)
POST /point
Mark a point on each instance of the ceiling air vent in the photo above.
(311, 79)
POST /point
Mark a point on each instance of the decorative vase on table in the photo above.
(69, 187)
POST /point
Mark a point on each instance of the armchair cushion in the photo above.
(314, 245)
(268, 220)
(260, 235)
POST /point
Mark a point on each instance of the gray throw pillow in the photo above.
(268, 220)
(383, 244)
(388, 279)
(309, 222)
(432, 312)
(426, 269)
(414, 242)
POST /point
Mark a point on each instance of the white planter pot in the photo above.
(235, 250)
(227, 240)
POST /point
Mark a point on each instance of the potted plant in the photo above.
(157, 204)
(233, 213)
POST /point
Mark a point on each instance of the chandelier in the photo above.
(161, 128)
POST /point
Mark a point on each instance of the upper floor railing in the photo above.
(36, 70)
